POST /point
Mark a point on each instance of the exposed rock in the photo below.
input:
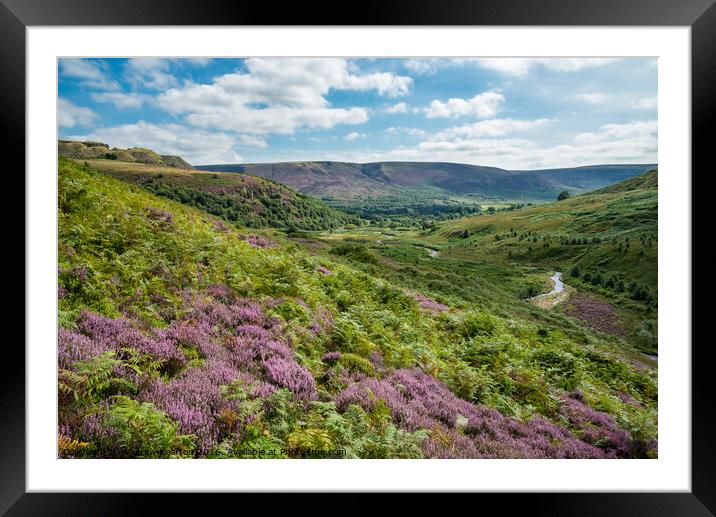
(143, 155)
(175, 161)
(461, 422)
(94, 150)
(80, 150)
(123, 155)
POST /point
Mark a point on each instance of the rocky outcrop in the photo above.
(97, 150)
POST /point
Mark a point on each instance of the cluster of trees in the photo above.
(578, 241)
(411, 205)
(647, 241)
(633, 289)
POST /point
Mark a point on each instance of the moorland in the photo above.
(231, 313)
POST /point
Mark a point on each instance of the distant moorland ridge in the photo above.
(352, 181)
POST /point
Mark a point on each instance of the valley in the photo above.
(329, 306)
(424, 188)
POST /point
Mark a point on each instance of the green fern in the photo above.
(144, 431)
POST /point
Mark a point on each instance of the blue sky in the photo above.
(515, 113)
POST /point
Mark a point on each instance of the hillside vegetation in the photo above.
(237, 198)
(605, 242)
(181, 336)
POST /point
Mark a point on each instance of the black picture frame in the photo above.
(17, 15)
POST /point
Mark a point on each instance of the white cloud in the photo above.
(281, 120)
(90, 73)
(521, 66)
(647, 103)
(149, 72)
(354, 136)
(253, 141)
(71, 115)
(384, 83)
(644, 131)
(425, 66)
(634, 142)
(399, 107)
(195, 146)
(509, 66)
(278, 96)
(121, 100)
(490, 128)
(411, 131)
(430, 65)
(483, 105)
(592, 98)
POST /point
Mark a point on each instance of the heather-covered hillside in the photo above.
(183, 336)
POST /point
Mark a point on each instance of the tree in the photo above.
(563, 195)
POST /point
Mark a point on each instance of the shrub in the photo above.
(477, 323)
(356, 363)
(355, 252)
(562, 367)
(647, 334)
(468, 383)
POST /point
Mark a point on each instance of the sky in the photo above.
(513, 113)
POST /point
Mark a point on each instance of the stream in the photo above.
(558, 286)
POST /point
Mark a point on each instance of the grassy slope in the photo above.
(124, 251)
(610, 215)
(247, 200)
(561, 235)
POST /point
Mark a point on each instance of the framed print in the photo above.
(439, 249)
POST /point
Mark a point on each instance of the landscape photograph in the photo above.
(344, 258)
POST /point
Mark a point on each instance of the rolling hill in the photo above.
(590, 177)
(346, 182)
(577, 229)
(237, 198)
